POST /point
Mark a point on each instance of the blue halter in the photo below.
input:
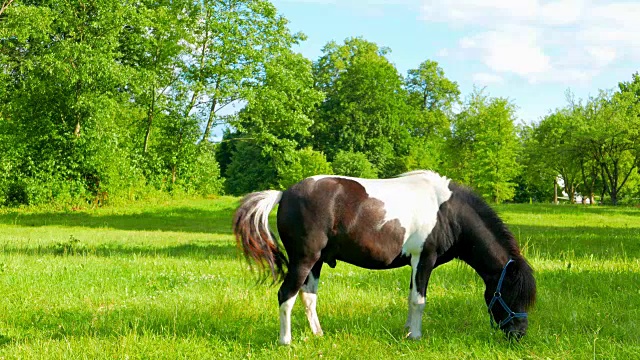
(498, 296)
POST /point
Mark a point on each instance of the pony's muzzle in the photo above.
(514, 334)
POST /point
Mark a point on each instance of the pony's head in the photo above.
(510, 296)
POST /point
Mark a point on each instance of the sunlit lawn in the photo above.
(166, 281)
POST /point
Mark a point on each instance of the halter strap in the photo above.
(498, 296)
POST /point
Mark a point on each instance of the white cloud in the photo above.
(487, 79)
(442, 53)
(479, 12)
(601, 56)
(510, 50)
(355, 3)
(368, 8)
(543, 41)
(563, 12)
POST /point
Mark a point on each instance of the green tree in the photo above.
(304, 163)
(536, 180)
(250, 170)
(153, 43)
(556, 148)
(431, 96)
(64, 95)
(610, 132)
(84, 89)
(232, 43)
(276, 119)
(631, 89)
(353, 164)
(364, 109)
(430, 91)
(483, 146)
(278, 112)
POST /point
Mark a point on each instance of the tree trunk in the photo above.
(614, 184)
(5, 6)
(149, 123)
(203, 51)
(555, 190)
(175, 165)
(212, 116)
(604, 183)
(571, 193)
(76, 131)
(152, 107)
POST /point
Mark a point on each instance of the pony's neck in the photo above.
(489, 265)
(485, 253)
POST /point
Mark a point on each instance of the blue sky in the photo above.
(529, 51)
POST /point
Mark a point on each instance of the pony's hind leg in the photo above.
(309, 293)
(298, 272)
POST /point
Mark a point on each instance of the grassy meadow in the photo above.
(165, 280)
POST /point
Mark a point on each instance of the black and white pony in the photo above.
(419, 218)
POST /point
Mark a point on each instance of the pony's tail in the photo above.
(251, 228)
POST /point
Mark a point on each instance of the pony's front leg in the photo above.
(421, 267)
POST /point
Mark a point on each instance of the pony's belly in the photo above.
(373, 249)
(376, 263)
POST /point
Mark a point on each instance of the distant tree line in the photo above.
(593, 145)
(119, 100)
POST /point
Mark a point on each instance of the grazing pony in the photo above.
(418, 218)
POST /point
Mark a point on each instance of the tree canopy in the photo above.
(116, 101)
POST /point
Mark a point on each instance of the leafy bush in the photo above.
(204, 178)
(353, 164)
(305, 162)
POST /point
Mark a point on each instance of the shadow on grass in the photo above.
(200, 251)
(180, 219)
(570, 242)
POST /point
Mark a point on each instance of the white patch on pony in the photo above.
(310, 300)
(265, 201)
(412, 198)
(285, 320)
(416, 303)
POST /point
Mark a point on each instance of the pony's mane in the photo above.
(523, 283)
(490, 219)
(428, 173)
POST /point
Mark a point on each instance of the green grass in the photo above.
(166, 281)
